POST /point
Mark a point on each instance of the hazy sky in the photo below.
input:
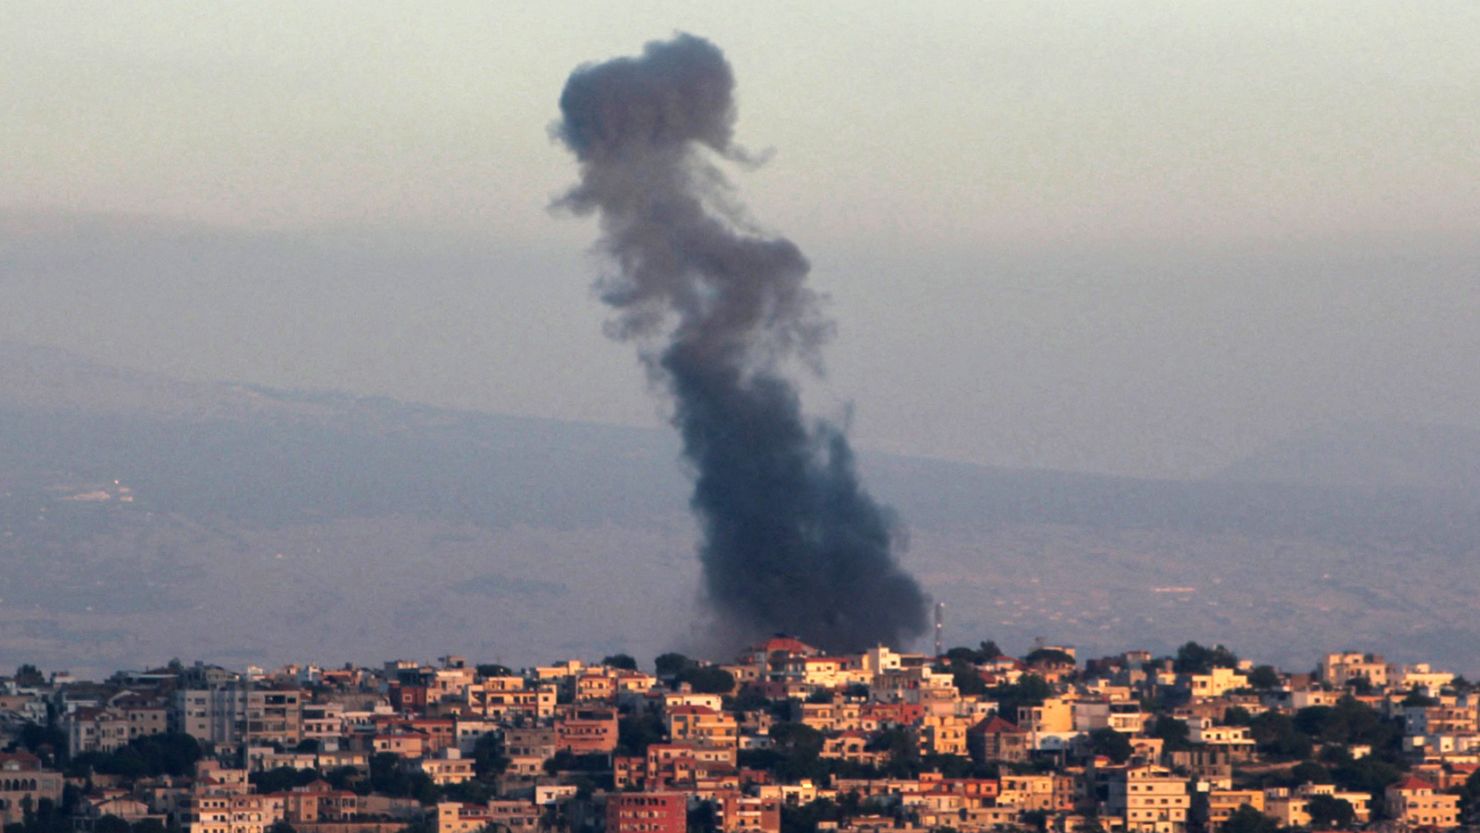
(1131, 237)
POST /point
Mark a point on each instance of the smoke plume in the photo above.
(792, 542)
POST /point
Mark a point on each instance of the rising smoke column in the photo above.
(791, 540)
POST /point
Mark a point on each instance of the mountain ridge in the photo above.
(435, 518)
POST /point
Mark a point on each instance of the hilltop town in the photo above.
(784, 739)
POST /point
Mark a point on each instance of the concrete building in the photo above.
(1340, 667)
(1417, 803)
(22, 782)
(645, 813)
(1149, 799)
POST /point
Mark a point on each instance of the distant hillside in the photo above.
(144, 517)
(1439, 458)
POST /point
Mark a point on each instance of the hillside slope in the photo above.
(145, 517)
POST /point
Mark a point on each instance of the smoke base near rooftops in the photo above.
(791, 541)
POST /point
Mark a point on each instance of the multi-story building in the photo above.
(995, 739)
(95, 730)
(210, 715)
(645, 813)
(1222, 804)
(743, 814)
(702, 725)
(323, 722)
(1342, 667)
(1027, 792)
(1416, 802)
(943, 735)
(23, 783)
(1053, 715)
(512, 816)
(449, 767)
(587, 731)
(1149, 799)
(274, 715)
(509, 699)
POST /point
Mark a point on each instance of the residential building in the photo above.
(643, 813)
(1417, 803)
(1148, 799)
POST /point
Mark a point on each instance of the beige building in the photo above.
(1416, 802)
(449, 767)
(274, 715)
(1222, 804)
(1027, 792)
(702, 725)
(512, 816)
(840, 716)
(1216, 682)
(1149, 799)
(95, 730)
(509, 698)
(1055, 714)
(22, 778)
(943, 735)
(1341, 667)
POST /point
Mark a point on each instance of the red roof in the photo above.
(1413, 782)
(25, 759)
(786, 645)
(996, 725)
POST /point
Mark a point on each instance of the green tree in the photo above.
(1418, 698)
(111, 824)
(46, 742)
(282, 779)
(388, 776)
(1236, 716)
(707, 679)
(1368, 775)
(170, 753)
(1277, 738)
(805, 819)
(1048, 656)
(1193, 658)
(1309, 772)
(1469, 797)
(962, 654)
(966, 679)
(1248, 820)
(903, 747)
(472, 791)
(701, 819)
(489, 760)
(637, 731)
(1173, 733)
(1264, 677)
(1330, 812)
(343, 777)
(494, 670)
(1110, 743)
(1029, 690)
(796, 740)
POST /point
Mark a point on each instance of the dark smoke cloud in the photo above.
(791, 540)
